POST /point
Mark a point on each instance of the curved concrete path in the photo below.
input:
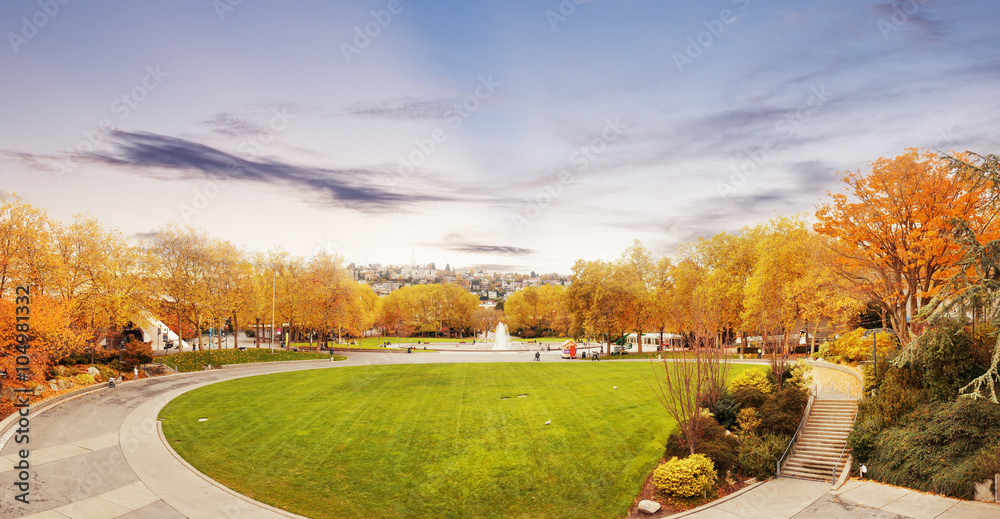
(100, 455)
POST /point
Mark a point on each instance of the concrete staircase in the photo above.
(822, 440)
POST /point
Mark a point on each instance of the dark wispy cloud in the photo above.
(164, 157)
(256, 119)
(402, 109)
(479, 248)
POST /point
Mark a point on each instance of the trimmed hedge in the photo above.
(686, 477)
(753, 378)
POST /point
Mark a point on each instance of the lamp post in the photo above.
(270, 338)
(875, 353)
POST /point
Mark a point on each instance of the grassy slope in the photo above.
(430, 440)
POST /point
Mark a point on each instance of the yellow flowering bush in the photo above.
(688, 477)
(753, 378)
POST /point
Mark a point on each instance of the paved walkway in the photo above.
(100, 455)
(786, 498)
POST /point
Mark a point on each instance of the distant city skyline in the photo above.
(515, 135)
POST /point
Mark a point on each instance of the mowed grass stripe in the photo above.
(430, 440)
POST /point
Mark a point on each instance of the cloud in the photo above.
(163, 157)
(478, 248)
(401, 109)
(254, 119)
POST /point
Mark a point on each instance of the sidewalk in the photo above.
(786, 498)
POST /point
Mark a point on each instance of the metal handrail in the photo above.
(802, 423)
(833, 471)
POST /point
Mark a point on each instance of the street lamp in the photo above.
(270, 338)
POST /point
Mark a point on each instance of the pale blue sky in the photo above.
(489, 132)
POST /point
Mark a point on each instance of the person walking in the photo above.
(135, 373)
(538, 356)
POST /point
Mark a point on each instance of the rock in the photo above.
(649, 507)
(61, 370)
(53, 385)
(64, 383)
(93, 371)
(750, 481)
(983, 492)
(39, 389)
(7, 393)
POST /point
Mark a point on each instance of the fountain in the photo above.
(498, 340)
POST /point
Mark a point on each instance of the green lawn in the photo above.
(428, 441)
(196, 360)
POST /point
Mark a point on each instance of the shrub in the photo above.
(897, 392)
(84, 379)
(782, 412)
(686, 477)
(136, 353)
(725, 410)
(753, 378)
(800, 374)
(757, 455)
(942, 447)
(946, 356)
(748, 420)
(714, 441)
(749, 397)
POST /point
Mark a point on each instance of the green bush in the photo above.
(725, 410)
(946, 356)
(747, 397)
(944, 447)
(753, 378)
(757, 456)
(688, 477)
(84, 379)
(782, 412)
(897, 393)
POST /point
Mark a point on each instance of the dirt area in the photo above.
(673, 505)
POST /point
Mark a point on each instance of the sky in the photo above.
(515, 135)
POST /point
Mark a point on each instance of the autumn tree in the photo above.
(974, 286)
(892, 229)
(594, 298)
(635, 273)
(181, 273)
(25, 246)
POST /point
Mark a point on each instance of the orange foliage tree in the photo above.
(893, 230)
